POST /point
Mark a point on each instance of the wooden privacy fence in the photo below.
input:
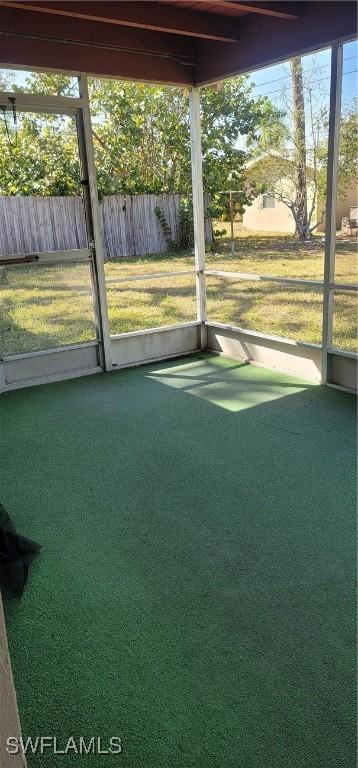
(129, 224)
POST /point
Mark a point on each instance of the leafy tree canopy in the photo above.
(141, 137)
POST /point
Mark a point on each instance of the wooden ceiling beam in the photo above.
(282, 10)
(23, 21)
(51, 56)
(140, 15)
(32, 40)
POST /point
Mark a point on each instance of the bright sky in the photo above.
(273, 81)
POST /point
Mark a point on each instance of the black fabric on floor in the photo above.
(16, 554)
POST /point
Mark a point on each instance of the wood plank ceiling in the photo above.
(170, 41)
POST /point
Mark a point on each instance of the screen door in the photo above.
(50, 321)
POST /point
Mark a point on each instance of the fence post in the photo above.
(198, 211)
(232, 223)
(331, 203)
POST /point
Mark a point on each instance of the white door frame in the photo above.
(50, 364)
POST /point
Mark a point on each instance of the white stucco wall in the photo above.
(345, 202)
(280, 219)
(277, 219)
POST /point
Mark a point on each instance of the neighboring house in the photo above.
(267, 213)
(346, 202)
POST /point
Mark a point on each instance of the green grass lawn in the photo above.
(43, 307)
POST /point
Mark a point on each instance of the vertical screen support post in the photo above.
(331, 203)
(93, 216)
(198, 211)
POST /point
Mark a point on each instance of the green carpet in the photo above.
(195, 591)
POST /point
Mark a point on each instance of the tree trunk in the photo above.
(300, 160)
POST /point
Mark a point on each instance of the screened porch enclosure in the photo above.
(63, 318)
(178, 427)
